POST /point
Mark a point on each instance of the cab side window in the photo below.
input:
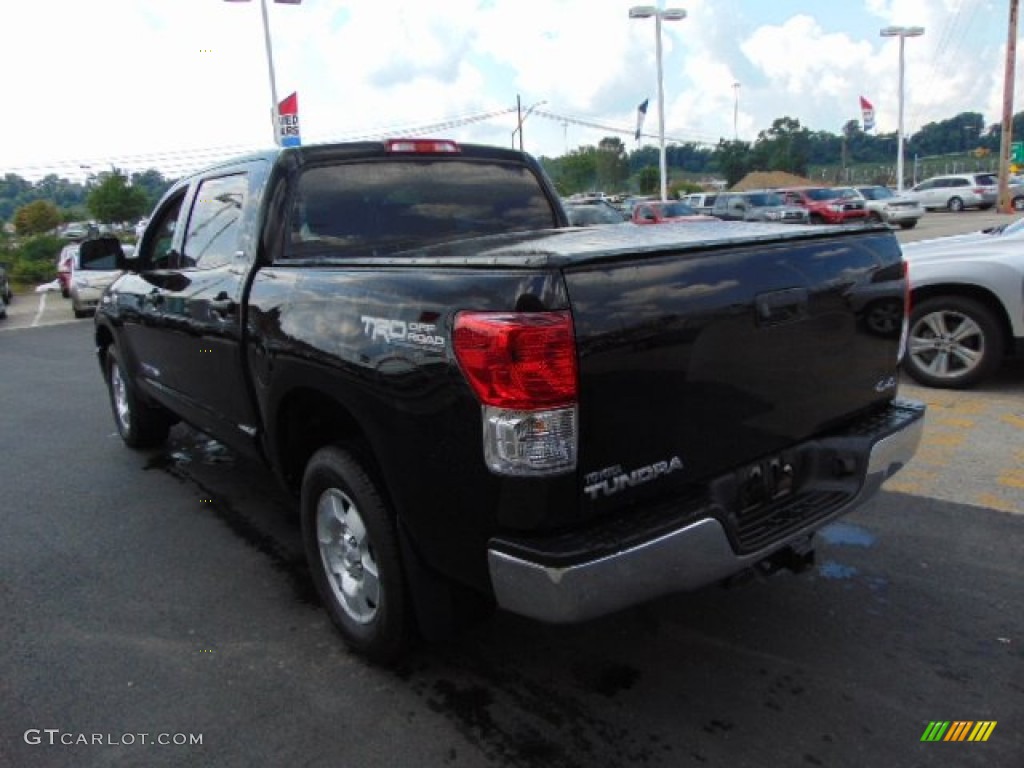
(155, 250)
(213, 224)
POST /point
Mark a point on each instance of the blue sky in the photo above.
(179, 84)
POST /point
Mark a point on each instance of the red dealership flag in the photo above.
(868, 114)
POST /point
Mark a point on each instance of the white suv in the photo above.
(957, 191)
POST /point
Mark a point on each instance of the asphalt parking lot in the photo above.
(164, 594)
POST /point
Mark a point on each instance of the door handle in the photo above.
(223, 305)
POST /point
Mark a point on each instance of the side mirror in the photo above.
(102, 253)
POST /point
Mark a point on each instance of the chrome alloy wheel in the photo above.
(947, 344)
(119, 388)
(347, 556)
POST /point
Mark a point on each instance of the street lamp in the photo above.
(659, 14)
(902, 33)
(735, 111)
(521, 120)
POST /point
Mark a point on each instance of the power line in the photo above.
(616, 129)
(185, 161)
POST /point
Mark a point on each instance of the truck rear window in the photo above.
(383, 206)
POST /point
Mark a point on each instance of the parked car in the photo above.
(93, 268)
(5, 283)
(968, 307)
(957, 191)
(757, 205)
(700, 202)
(589, 213)
(79, 230)
(1016, 190)
(656, 212)
(64, 265)
(826, 205)
(884, 205)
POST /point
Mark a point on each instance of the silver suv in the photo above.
(757, 205)
(957, 191)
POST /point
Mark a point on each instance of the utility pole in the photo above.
(1005, 206)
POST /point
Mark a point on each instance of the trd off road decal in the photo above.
(401, 333)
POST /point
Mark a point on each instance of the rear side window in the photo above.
(212, 236)
(380, 207)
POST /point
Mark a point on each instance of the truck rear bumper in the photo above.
(689, 557)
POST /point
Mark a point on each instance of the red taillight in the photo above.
(522, 361)
(421, 146)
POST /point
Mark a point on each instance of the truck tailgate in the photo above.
(695, 361)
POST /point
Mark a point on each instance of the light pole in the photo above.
(521, 120)
(735, 111)
(659, 14)
(902, 33)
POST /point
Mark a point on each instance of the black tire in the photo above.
(140, 425)
(80, 313)
(954, 343)
(815, 218)
(875, 217)
(352, 548)
(65, 293)
(955, 204)
(908, 224)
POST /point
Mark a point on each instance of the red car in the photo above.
(663, 213)
(827, 205)
(64, 264)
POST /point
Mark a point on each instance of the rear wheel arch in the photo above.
(981, 295)
(307, 420)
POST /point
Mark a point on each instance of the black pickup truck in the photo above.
(477, 404)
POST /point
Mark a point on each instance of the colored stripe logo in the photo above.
(958, 730)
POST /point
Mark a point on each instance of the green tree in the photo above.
(733, 160)
(783, 147)
(575, 172)
(612, 166)
(153, 183)
(36, 218)
(36, 259)
(649, 180)
(112, 200)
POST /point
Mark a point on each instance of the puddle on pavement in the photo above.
(848, 534)
(191, 447)
(830, 569)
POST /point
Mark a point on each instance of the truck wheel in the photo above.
(352, 550)
(908, 224)
(140, 426)
(954, 342)
(955, 204)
